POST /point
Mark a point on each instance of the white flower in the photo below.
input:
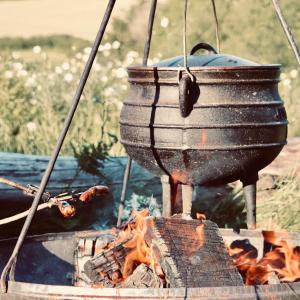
(58, 70)
(31, 126)
(133, 54)
(286, 82)
(68, 77)
(9, 74)
(150, 61)
(107, 46)
(108, 92)
(129, 60)
(73, 69)
(78, 55)
(15, 55)
(121, 72)
(87, 50)
(36, 49)
(294, 73)
(283, 75)
(155, 60)
(74, 48)
(22, 73)
(33, 101)
(101, 48)
(164, 22)
(104, 78)
(124, 87)
(116, 44)
(17, 66)
(106, 53)
(97, 67)
(85, 57)
(30, 82)
(65, 66)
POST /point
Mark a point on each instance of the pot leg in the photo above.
(249, 188)
(187, 199)
(169, 192)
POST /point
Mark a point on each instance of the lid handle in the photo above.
(204, 46)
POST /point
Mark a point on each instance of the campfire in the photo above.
(281, 263)
(173, 252)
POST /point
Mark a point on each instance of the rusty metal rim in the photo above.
(214, 105)
(198, 126)
(206, 68)
(228, 292)
(174, 80)
(162, 146)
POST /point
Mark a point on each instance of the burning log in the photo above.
(106, 267)
(191, 253)
(151, 252)
(143, 277)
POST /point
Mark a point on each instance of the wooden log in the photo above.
(191, 253)
(105, 268)
(29, 169)
(143, 277)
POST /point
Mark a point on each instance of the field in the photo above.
(39, 74)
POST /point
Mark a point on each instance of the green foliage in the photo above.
(57, 42)
(91, 157)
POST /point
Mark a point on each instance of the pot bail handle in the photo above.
(204, 46)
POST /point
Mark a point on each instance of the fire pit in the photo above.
(53, 254)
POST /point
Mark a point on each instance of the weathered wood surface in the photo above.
(191, 253)
(29, 169)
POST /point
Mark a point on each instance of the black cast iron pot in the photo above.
(224, 121)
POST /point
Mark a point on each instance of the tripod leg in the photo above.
(187, 199)
(249, 188)
(124, 190)
(169, 192)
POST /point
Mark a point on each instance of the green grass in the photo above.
(57, 42)
(280, 208)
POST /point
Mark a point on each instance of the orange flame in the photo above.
(283, 260)
(140, 252)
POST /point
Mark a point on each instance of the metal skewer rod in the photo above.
(286, 30)
(217, 26)
(145, 61)
(13, 184)
(69, 118)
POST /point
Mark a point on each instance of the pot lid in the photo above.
(206, 60)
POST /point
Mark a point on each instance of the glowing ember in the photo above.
(283, 260)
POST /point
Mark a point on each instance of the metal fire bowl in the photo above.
(46, 264)
(236, 125)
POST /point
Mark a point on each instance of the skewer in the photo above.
(287, 30)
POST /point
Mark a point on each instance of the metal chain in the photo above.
(185, 64)
(217, 26)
